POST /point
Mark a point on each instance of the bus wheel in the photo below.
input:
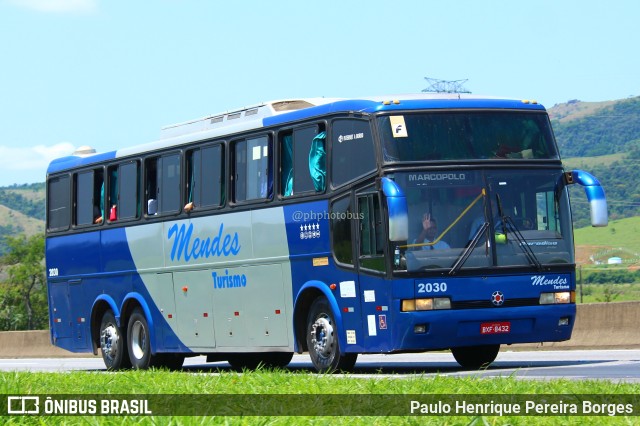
(112, 343)
(322, 340)
(138, 339)
(475, 357)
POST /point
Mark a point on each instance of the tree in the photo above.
(23, 294)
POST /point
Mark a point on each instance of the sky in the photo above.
(111, 73)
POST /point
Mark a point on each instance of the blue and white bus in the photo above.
(333, 226)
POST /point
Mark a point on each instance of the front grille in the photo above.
(483, 304)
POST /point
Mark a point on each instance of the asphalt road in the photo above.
(614, 365)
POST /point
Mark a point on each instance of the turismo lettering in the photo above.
(228, 281)
(220, 245)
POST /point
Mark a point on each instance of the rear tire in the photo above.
(475, 357)
(323, 342)
(139, 341)
(113, 343)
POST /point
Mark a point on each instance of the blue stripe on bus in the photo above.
(78, 257)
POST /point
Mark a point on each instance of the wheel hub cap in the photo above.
(322, 336)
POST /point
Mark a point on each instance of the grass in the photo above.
(336, 391)
(587, 163)
(595, 293)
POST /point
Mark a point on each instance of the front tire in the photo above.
(323, 342)
(139, 341)
(475, 357)
(112, 343)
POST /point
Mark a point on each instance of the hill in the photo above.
(22, 211)
(588, 129)
(620, 239)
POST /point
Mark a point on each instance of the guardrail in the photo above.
(598, 325)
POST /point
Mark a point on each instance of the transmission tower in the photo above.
(445, 86)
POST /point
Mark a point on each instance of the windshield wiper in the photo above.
(533, 260)
(467, 252)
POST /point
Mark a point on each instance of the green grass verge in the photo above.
(596, 293)
(315, 385)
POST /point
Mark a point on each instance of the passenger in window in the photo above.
(429, 235)
(98, 209)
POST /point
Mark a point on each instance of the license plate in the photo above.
(495, 327)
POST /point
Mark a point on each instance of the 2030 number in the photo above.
(53, 272)
(432, 287)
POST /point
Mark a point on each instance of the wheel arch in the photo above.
(101, 305)
(309, 292)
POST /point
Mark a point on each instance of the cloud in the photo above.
(59, 6)
(18, 161)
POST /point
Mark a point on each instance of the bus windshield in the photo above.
(466, 135)
(461, 219)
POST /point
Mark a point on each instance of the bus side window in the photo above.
(58, 203)
(302, 161)
(112, 192)
(98, 197)
(151, 185)
(128, 197)
(352, 151)
(253, 176)
(204, 185)
(169, 182)
(341, 218)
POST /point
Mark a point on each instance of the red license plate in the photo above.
(495, 327)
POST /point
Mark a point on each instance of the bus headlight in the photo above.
(435, 303)
(557, 298)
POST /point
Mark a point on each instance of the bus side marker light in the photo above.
(236, 313)
(333, 286)
(420, 329)
(277, 311)
(185, 289)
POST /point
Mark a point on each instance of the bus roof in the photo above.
(290, 110)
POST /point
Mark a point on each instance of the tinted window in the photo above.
(84, 198)
(352, 152)
(341, 215)
(302, 139)
(170, 184)
(128, 199)
(467, 136)
(253, 179)
(58, 202)
(204, 177)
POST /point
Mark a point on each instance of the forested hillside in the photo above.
(609, 129)
(21, 211)
(588, 133)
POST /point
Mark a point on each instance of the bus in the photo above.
(335, 227)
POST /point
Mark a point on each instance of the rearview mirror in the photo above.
(595, 195)
(397, 208)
